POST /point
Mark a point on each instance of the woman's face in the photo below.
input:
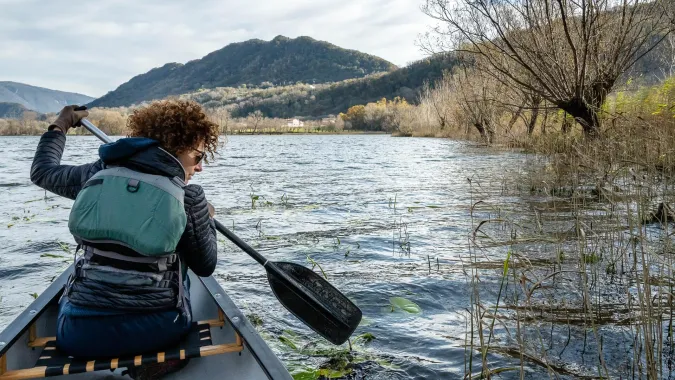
(192, 161)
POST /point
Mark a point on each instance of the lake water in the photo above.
(384, 217)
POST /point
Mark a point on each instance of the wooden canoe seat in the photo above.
(54, 363)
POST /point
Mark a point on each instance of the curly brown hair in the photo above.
(178, 125)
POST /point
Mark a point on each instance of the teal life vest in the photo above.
(128, 224)
(143, 212)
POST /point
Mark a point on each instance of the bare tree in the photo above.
(440, 100)
(569, 52)
(221, 116)
(667, 57)
(528, 102)
(255, 118)
(477, 105)
(534, 101)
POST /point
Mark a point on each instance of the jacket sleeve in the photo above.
(198, 245)
(48, 173)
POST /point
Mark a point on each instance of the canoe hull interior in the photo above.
(254, 361)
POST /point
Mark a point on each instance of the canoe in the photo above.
(222, 345)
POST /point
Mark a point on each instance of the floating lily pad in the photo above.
(405, 305)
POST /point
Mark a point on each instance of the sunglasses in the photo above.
(199, 158)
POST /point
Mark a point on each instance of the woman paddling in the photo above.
(129, 294)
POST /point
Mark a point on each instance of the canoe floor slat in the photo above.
(34, 341)
(220, 322)
(213, 322)
(41, 342)
(220, 349)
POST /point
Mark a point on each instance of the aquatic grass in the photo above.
(52, 256)
(592, 259)
(284, 200)
(403, 239)
(255, 319)
(366, 337)
(64, 247)
(315, 264)
(494, 318)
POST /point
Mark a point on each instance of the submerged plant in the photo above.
(284, 200)
(315, 264)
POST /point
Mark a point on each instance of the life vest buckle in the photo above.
(133, 185)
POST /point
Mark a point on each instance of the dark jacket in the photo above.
(197, 246)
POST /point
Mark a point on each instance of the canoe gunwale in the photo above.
(267, 360)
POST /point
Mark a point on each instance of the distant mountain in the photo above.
(39, 99)
(281, 61)
(332, 98)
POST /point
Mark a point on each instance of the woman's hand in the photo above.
(212, 210)
(69, 117)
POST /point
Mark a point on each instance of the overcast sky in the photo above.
(94, 46)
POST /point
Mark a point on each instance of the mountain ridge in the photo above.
(282, 60)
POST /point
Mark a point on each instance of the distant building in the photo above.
(295, 123)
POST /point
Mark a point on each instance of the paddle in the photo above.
(304, 293)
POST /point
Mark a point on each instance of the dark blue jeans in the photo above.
(87, 333)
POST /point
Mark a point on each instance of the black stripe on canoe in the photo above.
(54, 371)
(102, 364)
(78, 366)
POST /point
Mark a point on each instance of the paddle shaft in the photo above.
(95, 131)
(271, 267)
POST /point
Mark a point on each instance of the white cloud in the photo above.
(94, 46)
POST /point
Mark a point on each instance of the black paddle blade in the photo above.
(315, 301)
